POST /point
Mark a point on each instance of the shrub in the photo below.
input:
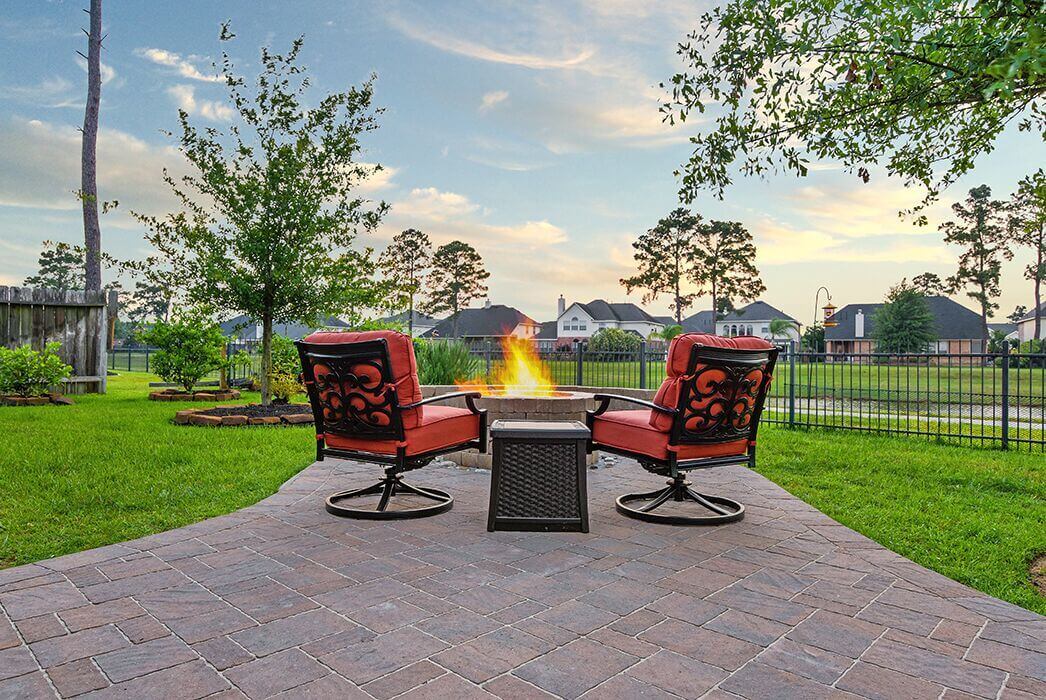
(284, 380)
(445, 362)
(614, 340)
(284, 387)
(189, 347)
(28, 372)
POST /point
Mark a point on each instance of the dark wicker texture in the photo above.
(538, 480)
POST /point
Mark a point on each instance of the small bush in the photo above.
(284, 380)
(28, 372)
(445, 362)
(614, 340)
(189, 348)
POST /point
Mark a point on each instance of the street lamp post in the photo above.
(828, 308)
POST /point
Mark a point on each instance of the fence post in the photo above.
(1005, 394)
(579, 372)
(642, 364)
(128, 359)
(146, 358)
(791, 383)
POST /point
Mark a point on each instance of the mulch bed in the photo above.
(252, 414)
(1038, 574)
(57, 399)
(179, 395)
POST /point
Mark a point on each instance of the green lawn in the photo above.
(114, 467)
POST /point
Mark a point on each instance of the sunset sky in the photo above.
(529, 130)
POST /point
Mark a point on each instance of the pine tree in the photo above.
(456, 279)
(725, 266)
(904, 324)
(405, 263)
(666, 256)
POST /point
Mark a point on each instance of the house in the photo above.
(243, 328)
(579, 322)
(1026, 325)
(754, 319)
(492, 321)
(422, 323)
(701, 322)
(1008, 330)
(958, 328)
(546, 336)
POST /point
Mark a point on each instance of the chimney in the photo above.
(859, 324)
(486, 304)
(561, 307)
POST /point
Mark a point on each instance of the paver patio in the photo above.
(282, 599)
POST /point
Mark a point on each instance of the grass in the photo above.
(114, 467)
(975, 515)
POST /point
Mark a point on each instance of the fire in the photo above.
(522, 373)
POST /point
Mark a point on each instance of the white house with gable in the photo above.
(581, 321)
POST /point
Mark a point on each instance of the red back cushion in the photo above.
(402, 365)
(679, 356)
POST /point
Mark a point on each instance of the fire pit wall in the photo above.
(571, 406)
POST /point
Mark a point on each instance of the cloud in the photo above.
(853, 209)
(780, 244)
(107, 72)
(185, 97)
(432, 205)
(52, 92)
(184, 66)
(378, 180)
(491, 99)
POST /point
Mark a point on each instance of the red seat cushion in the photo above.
(403, 365)
(678, 359)
(631, 430)
(441, 426)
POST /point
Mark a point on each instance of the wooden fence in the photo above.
(78, 320)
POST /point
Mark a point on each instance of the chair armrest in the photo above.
(605, 399)
(469, 396)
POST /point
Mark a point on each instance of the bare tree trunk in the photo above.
(266, 363)
(410, 316)
(1038, 290)
(88, 181)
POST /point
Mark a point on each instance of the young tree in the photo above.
(1017, 314)
(269, 211)
(813, 338)
(405, 263)
(725, 264)
(929, 284)
(61, 266)
(904, 324)
(150, 300)
(981, 231)
(88, 148)
(1028, 228)
(456, 279)
(665, 256)
(922, 86)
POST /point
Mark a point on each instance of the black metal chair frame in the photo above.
(725, 426)
(353, 414)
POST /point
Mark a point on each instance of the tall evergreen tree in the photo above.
(61, 266)
(665, 256)
(456, 279)
(904, 324)
(405, 262)
(980, 229)
(725, 265)
(88, 163)
(1028, 228)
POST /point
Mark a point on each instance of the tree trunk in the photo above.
(410, 317)
(266, 362)
(1038, 292)
(454, 322)
(715, 308)
(984, 328)
(88, 180)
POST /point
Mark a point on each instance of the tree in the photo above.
(922, 86)
(725, 264)
(929, 283)
(150, 300)
(269, 212)
(614, 340)
(61, 266)
(88, 148)
(1017, 314)
(813, 338)
(188, 348)
(779, 327)
(405, 263)
(904, 324)
(668, 332)
(980, 229)
(456, 280)
(665, 256)
(1028, 228)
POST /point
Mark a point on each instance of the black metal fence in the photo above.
(139, 359)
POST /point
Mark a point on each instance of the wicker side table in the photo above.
(538, 479)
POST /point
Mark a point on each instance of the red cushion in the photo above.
(631, 430)
(404, 368)
(679, 356)
(441, 426)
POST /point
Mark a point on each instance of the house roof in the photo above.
(1031, 313)
(489, 321)
(243, 327)
(1006, 328)
(601, 310)
(666, 320)
(420, 319)
(548, 331)
(953, 320)
(701, 322)
(757, 311)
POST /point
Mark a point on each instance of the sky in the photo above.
(530, 130)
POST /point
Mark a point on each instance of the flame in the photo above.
(522, 373)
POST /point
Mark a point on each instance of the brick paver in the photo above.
(283, 600)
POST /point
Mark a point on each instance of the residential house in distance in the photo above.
(701, 322)
(491, 322)
(958, 330)
(243, 328)
(1026, 325)
(422, 323)
(579, 322)
(754, 319)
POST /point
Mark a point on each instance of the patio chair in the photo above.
(366, 400)
(704, 415)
